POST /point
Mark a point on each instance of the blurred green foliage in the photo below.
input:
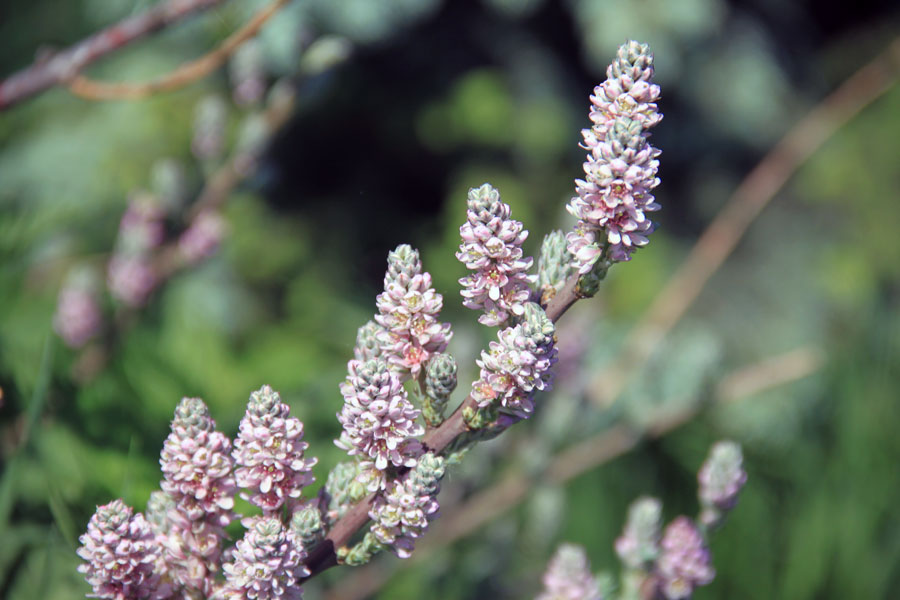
(503, 94)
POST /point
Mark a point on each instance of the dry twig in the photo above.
(183, 75)
(55, 69)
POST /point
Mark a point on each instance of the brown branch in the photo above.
(769, 374)
(567, 464)
(707, 255)
(183, 75)
(748, 200)
(57, 68)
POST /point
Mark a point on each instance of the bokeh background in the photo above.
(400, 106)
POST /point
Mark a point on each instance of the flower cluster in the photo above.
(131, 275)
(247, 73)
(177, 550)
(517, 365)
(568, 576)
(202, 237)
(78, 318)
(210, 120)
(196, 465)
(721, 478)
(621, 165)
(638, 546)
(492, 249)
(685, 561)
(266, 563)
(120, 553)
(674, 564)
(378, 419)
(197, 469)
(402, 514)
(269, 453)
(408, 310)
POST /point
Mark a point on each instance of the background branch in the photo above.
(59, 67)
(180, 77)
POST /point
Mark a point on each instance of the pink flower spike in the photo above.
(402, 514)
(378, 419)
(266, 563)
(409, 309)
(568, 576)
(492, 248)
(120, 553)
(269, 454)
(621, 166)
(685, 562)
(197, 470)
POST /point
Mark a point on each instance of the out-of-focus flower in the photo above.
(269, 453)
(402, 514)
(266, 563)
(638, 546)
(378, 419)
(408, 310)
(253, 136)
(210, 118)
(131, 279)
(685, 561)
(568, 576)
(78, 317)
(247, 72)
(621, 166)
(721, 478)
(492, 249)
(517, 365)
(141, 228)
(202, 237)
(120, 554)
(169, 184)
